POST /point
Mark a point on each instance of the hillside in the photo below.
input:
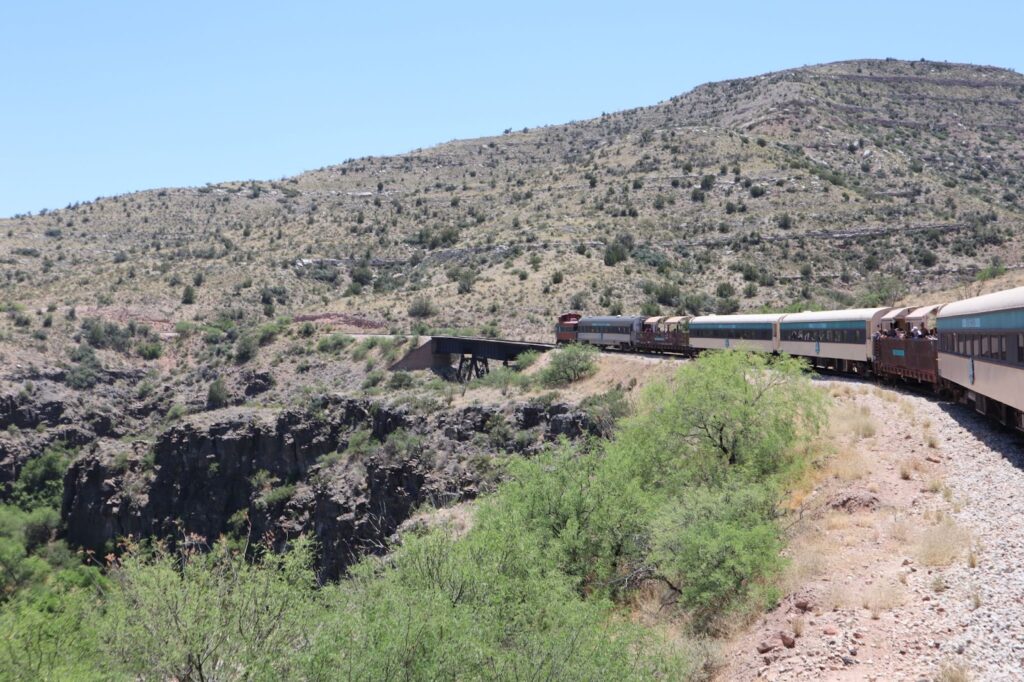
(811, 186)
(206, 367)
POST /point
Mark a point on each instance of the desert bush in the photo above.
(526, 359)
(150, 350)
(400, 380)
(246, 348)
(568, 364)
(217, 395)
(605, 409)
(333, 343)
(422, 307)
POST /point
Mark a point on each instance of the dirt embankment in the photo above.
(907, 561)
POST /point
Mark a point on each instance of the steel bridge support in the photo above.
(471, 366)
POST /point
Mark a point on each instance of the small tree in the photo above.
(217, 395)
(188, 297)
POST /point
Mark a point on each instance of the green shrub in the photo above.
(400, 380)
(606, 409)
(570, 363)
(614, 253)
(188, 296)
(422, 307)
(276, 496)
(373, 378)
(217, 395)
(526, 359)
(84, 374)
(333, 343)
(150, 350)
(40, 483)
(176, 412)
(246, 348)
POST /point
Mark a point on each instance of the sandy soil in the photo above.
(891, 573)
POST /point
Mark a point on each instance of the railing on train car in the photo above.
(910, 357)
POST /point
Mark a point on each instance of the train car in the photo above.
(981, 353)
(566, 328)
(747, 332)
(833, 339)
(664, 335)
(609, 332)
(906, 357)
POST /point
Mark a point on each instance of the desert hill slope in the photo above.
(824, 185)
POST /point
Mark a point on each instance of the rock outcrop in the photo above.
(274, 474)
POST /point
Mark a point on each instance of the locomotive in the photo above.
(972, 349)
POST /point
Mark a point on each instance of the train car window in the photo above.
(985, 351)
(1002, 347)
(1020, 348)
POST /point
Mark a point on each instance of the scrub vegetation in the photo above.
(683, 502)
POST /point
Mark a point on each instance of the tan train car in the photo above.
(745, 332)
(981, 352)
(834, 339)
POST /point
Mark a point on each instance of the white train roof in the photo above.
(736, 319)
(1001, 300)
(864, 314)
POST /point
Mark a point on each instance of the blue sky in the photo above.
(103, 98)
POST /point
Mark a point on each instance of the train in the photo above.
(971, 350)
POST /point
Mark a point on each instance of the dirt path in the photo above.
(908, 561)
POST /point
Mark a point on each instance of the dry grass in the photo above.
(807, 559)
(853, 424)
(954, 672)
(942, 543)
(882, 596)
(900, 529)
(975, 598)
(910, 465)
(849, 465)
(797, 625)
(839, 596)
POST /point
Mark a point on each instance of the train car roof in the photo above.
(920, 314)
(611, 318)
(1001, 300)
(729, 319)
(864, 314)
(896, 313)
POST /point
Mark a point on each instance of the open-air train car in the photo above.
(664, 335)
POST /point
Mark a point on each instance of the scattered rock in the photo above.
(851, 501)
(787, 641)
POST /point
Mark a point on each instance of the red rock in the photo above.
(787, 641)
(829, 630)
(764, 647)
(802, 604)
